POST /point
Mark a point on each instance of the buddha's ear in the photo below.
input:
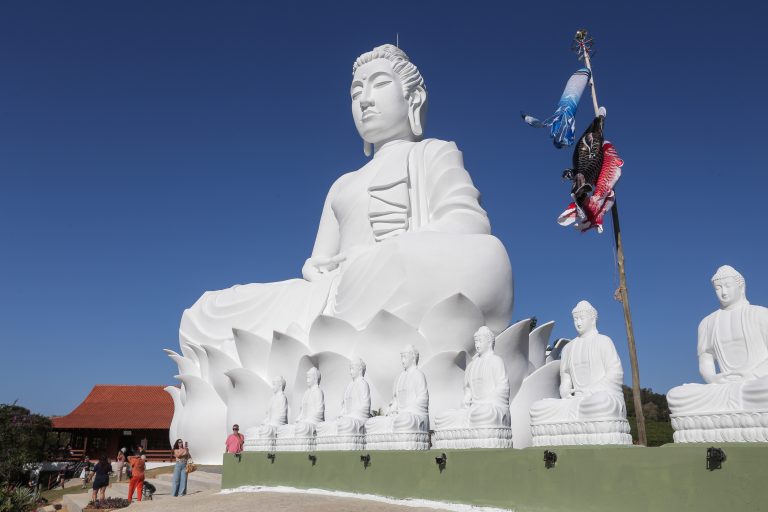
(417, 109)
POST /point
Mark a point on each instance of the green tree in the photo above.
(22, 435)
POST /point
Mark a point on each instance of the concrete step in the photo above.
(201, 482)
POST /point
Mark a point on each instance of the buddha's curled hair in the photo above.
(401, 64)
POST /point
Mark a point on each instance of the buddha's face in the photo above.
(728, 291)
(355, 369)
(482, 343)
(584, 321)
(311, 378)
(407, 358)
(379, 108)
(277, 385)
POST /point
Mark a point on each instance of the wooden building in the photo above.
(113, 417)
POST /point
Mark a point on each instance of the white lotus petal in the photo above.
(537, 345)
(248, 400)
(186, 366)
(202, 360)
(284, 356)
(174, 431)
(558, 349)
(445, 381)
(379, 346)
(512, 347)
(218, 364)
(330, 334)
(185, 344)
(253, 351)
(543, 383)
(451, 324)
(229, 348)
(204, 420)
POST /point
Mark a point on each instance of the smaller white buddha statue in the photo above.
(346, 432)
(483, 421)
(591, 408)
(406, 424)
(262, 437)
(733, 404)
(299, 435)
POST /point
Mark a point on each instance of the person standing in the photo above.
(121, 461)
(235, 440)
(137, 477)
(101, 479)
(181, 454)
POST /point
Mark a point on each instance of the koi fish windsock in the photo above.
(563, 123)
(588, 212)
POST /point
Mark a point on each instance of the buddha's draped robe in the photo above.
(737, 339)
(409, 411)
(355, 410)
(312, 412)
(486, 389)
(413, 232)
(277, 415)
(595, 371)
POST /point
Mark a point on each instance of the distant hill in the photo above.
(658, 429)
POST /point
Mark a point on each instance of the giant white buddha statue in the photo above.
(300, 435)
(732, 405)
(591, 408)
(406, 423)
(346, 432)
(262, 437)
(400, 234)
(483, 421)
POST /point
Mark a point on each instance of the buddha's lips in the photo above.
(369, 113)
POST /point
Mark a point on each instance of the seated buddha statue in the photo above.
(312, 412)
(406, 423)
(346, 431)
(400, 234)
(590, 391)
(483, 421)
(261, 437)
(732, 405)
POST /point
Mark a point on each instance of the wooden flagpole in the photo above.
(584, 42)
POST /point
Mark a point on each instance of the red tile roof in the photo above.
(121, 407)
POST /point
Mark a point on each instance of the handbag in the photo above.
(191, 466)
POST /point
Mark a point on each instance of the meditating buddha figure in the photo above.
(590, 377)
(409, 410)
(277, 413)
(486, 390)
(355, 408)
(734, 339)
(312, 410)
(400, 234)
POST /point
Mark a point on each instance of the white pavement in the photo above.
(197, 483)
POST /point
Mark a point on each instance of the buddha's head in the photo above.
(584, 317)
(389, 101)
(730, 286)
(409, 356)
(313, 377)
(356, 368)
(485, 340)
(278, 385)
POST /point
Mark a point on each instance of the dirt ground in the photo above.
(210, 501)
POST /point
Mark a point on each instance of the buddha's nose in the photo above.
(366, 102)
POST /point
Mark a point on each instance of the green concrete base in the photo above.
(615, 479)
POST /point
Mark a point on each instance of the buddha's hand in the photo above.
(317, 267)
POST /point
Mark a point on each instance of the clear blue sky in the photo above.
(150, 151)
